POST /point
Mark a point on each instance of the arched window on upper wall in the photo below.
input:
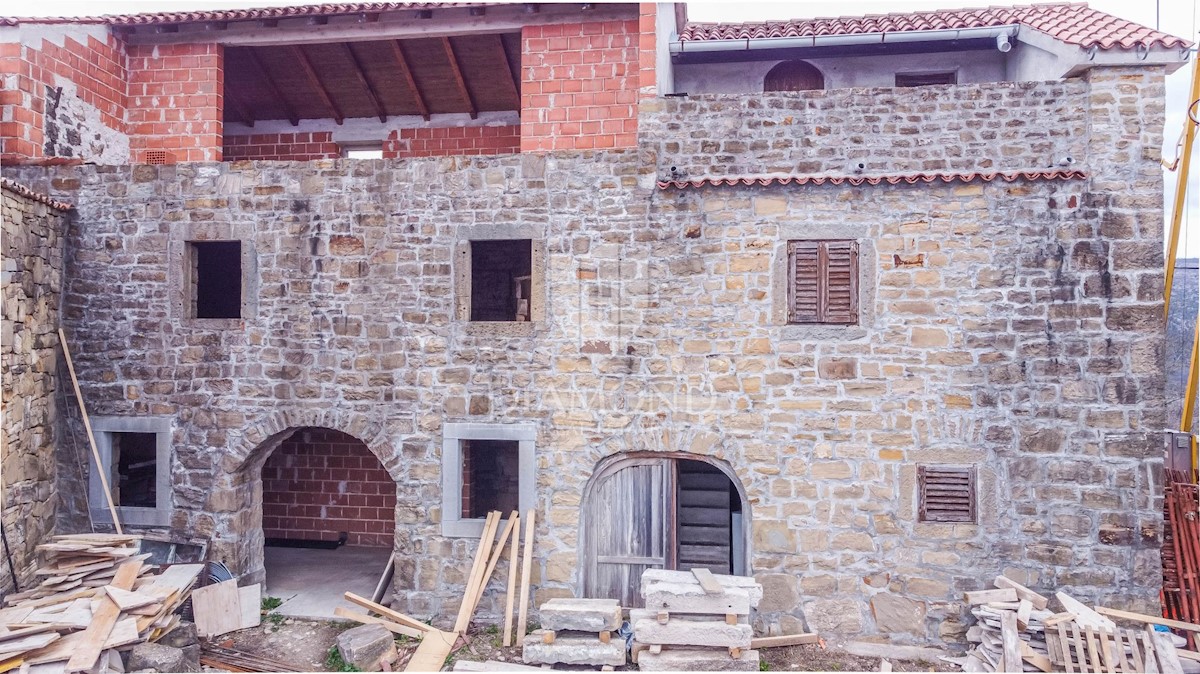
(793, 76)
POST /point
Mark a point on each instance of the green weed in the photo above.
(271, 603)
(335, 662)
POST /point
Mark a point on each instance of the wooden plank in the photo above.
(1135, 650)
(385, 579)
(1144, 618)
(498, 550)
(1039, 602)
(785, 640)
(1093, 649)
(406, 74)
(1034, 658)
(1165, 652)
(1187, 655)
(343, 612)
(1064, 646)
(1107, 657)
(394, 616)
(315, 82)
(513, 572)
(1149, 652)
(708, 581)
(460, 83)
(1024, 608)
(87, 426)
(126, 600)
(356, 67)
(216, 608)
(1084, 615)
(26, 644)
(103, 620)
(430, 656)
(526, 570)
(1012, 642)
(261, 70)
(1064, 617)
(478, 566)
(250, 605)
(985, 596)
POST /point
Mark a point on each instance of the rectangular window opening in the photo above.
(823, 282)
(368, 150)
(135, 474)
(501, 280)
(491, 477)
(216, 279)
(925, 79)
(946, 494)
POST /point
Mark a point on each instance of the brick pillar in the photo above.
(647, 50)
(20, 110)
(175, 101)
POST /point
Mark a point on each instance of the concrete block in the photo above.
(366, 645)
(693, 633)
(584, 615)
(697, 660)
(572, 649)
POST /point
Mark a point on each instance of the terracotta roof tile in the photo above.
(17, 188)
(1073, 23)
(237, 14)
(905, 178)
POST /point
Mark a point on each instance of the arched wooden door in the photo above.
(662, 512)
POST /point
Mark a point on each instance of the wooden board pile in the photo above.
(1017, 632)
(96, 595)
(576, 632)
(694, 620)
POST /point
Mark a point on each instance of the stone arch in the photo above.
(794, 76)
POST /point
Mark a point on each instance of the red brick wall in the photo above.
(175, 101)
(96, 68)
(281, 146)
(647, 50)
(452, 140)
(579, 87)
(320, 482)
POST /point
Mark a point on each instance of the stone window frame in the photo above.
(454, 525)
(179, 252)
(538, 289)
(160, 514)
(867, 282)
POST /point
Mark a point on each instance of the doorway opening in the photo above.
(674, 511)
(328, 521)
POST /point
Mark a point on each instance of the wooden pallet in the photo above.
(1090, 649)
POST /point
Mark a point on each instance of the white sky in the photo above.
(1178, 17)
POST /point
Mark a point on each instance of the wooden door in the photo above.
(628, 518)
(704, 535)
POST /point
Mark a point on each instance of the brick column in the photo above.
(175, 101)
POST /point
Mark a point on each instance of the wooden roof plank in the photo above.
(509, 77)
(239, 107)
(406, 73)
(255, 61)
(458, 79)
(360, 74)
(315, 80)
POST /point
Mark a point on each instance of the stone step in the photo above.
(584, 615)
(647, 630)
(572, 649)
(696, 660)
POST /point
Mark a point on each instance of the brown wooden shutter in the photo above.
(823, 281)
(946, 494)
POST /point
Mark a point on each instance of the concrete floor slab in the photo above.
(311, 583)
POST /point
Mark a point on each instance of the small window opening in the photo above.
(946, 494)
(135, 458)
(793, 76)
(362, 150)
(216, 279)
(925, 79)
(490, 477)
(823, 282)
(501, 277)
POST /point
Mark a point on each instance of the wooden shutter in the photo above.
(823, 279)
(946, 494)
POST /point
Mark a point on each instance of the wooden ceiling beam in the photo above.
(315, 80)
(458, 78)
(275, 91)
(361, 75)
(509, 77)
(239, 108)
(406, 73)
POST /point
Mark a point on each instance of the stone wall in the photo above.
(1013, 326)
(32, 277)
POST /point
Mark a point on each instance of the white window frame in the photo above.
(454, 525)
(103, 428)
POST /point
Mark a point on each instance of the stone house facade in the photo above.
(1007, 293)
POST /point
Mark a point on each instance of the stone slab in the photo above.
(647, 630)
(366, 645)
(697, 660)
(583, 615)
(636, 614)
(572, 649)
(680, 592)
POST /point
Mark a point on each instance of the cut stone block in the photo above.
(365, 646)
(583, 615)
(697, 660)
(692, 633)
(636, 614)
(680, 592)
(572, 649)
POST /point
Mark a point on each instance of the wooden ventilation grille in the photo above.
(946, 494)
(158, 157)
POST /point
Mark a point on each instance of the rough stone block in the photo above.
(160, 658)
(584, 615)
(680, 592)
(182, 636)
(697, 660)
(572, 649)
(648, 630)
(365, 646)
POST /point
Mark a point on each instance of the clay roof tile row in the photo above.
(897, 179)
(152, 18)
(17, 188)
(1073, 23)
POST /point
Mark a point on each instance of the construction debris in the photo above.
(231, 660)
(695, 622)
(96, 595)
(576, 632)
(1181, 550)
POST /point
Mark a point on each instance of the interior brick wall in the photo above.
(579, 87)
(175, 101)
(281, 146)
(320, 482)
(453, 140)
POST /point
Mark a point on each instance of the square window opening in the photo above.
(216, 279)
(501, 280)
(135, 462)
(491, 477)
(823, 282)
(946, 494)
(925, 79)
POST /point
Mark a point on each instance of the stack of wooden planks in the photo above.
(96, 594)
(1018, 632)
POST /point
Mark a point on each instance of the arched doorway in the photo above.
(660, 510)
(328, 520)
(794, 76)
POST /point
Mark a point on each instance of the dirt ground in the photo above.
(305, 645)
